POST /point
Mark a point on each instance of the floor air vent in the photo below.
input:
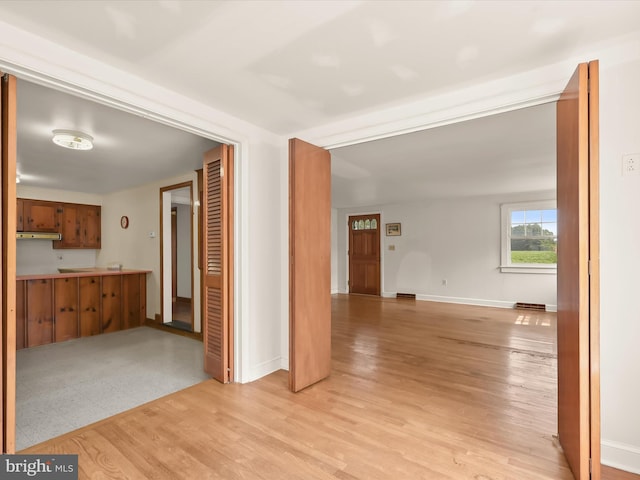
(409, 296)
(541, 307)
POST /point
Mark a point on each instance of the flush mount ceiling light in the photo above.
(72, 139)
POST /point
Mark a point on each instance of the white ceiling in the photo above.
(508, 153)
(128, 150)
(291, 65)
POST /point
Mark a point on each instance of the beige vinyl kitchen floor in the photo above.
(65, 386)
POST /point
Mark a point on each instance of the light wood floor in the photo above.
(418, 390)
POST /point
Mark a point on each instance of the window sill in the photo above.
(529, 269)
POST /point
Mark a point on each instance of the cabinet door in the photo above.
(39, 306)
(21, 314)
(69, 227)
(92, 223)
(19, 215)
(131, 300)
(111, 303)
(41, 216)
(80, 226)
(65, 304)
(89, 306)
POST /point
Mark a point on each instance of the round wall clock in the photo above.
(124, 221)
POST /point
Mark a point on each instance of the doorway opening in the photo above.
(176, 226)
(364, 254)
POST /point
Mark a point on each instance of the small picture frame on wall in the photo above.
(393, 229)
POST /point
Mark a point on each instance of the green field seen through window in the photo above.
(534, 257)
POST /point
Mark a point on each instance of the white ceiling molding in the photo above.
(63, 69)
(532, 88)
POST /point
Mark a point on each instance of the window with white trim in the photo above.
(529, 237)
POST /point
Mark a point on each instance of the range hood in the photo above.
(38, 235)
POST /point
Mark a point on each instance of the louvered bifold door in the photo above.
(217, 211)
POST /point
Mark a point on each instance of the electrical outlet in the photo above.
(631, 164)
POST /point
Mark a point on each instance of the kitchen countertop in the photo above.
(80, 272)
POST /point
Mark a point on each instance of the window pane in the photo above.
(374, 224)
(549, 216)
(361, 225)
(517, 217)
(533, 216)
(355, 225)
(517, 231)
(532, 238)
(534, 250)
(534, 230)
(367, 224)
(550, 229)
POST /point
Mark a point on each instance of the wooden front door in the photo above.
(364, 254)
(578, 272)
(217, 311)
(8, 149)
(310, 264)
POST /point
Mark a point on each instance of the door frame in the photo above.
(165, 256)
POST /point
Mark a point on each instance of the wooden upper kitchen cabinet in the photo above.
(40, 216)
(20, 215)
(80, 226)
(65, 307)
(92, 226)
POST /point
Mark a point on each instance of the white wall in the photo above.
(457, 240)
(620, 265)
(184, 249)
(264, 346)
(38, 256)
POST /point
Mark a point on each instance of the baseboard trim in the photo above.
(466, 301)
(263, 369)
(284, 363)
(334, 291)
(621, 456)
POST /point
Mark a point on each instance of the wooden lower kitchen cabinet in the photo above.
(89, 306)
(59, 307)
(111, 303)
(134, 291)
(39, 301)
(21, 314)
(65, 306)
